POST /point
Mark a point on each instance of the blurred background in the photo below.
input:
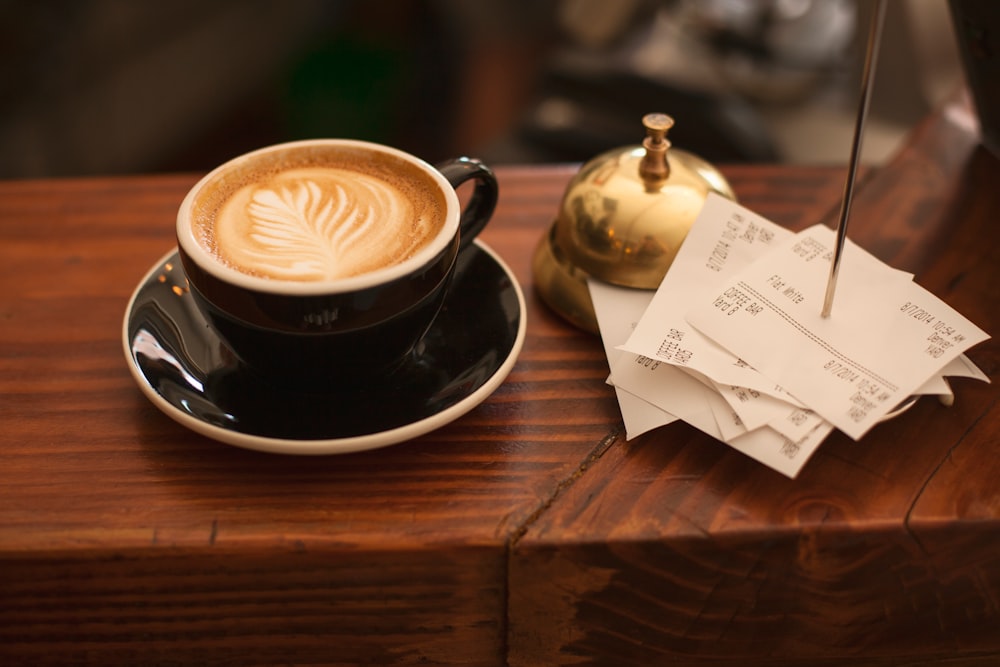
(117, 86)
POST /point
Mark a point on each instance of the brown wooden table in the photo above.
(528, 532)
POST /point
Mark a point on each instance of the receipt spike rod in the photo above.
(871, 55)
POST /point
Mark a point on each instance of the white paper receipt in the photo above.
(725, 239)
(734, 344)
(885, 337)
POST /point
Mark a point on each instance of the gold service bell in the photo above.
(622, 219)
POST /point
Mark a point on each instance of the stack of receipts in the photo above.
(733, 341)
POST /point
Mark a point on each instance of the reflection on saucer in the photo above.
(189, 373)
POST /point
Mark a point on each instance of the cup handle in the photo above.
(480, 206)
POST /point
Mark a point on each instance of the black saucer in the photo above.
(187, 372)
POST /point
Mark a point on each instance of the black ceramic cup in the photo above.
(328, 329)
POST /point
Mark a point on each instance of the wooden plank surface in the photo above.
(675, 550)
(125, 538)
(528, 527)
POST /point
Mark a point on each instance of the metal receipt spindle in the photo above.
(871, 56)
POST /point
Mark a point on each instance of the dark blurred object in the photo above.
(378, 76)
(585, 113)
(977, 29)
(113, 86)
(774, 50)
(712, 64)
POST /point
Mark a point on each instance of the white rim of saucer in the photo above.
(194, 249)
(329, 446)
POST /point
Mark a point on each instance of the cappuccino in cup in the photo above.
(318, 212)
(327, 258)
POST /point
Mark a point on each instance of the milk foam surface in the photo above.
(320, 222)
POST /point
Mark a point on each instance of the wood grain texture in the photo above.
(675, 550)
(126, 539)
(527, 531)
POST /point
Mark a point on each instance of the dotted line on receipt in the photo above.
(816, 339)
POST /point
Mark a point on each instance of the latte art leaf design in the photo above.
(290, 224)
(301, 229)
